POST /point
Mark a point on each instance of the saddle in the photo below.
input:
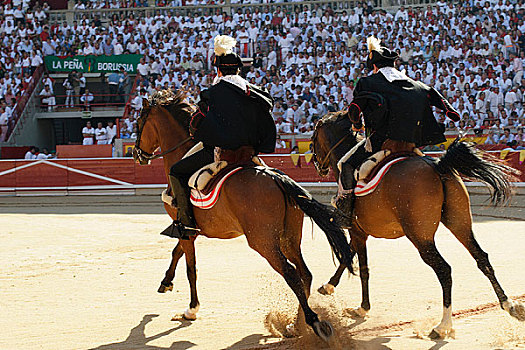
(390, 150)
(207, 177)
(206, 183)
(371, 171)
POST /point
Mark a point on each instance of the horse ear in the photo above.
(145, 103)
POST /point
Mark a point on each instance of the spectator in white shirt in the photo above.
(101, 134)
(517, 67)
(88, 132)
(31, 154)
(111, 131)
(492, 138)
(48, 98)
(511, 98)
(481, 106)
(4, 118)
(136, 103)
(495, 98)
(86, 100)
(143, 68)
(44, 154)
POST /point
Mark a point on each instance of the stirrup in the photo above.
(178, 230)
(344, 202)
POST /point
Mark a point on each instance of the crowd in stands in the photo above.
(115, 4)
(20, 53)
(310, 59)
(473, 52)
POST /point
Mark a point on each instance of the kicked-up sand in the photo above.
(86, 281)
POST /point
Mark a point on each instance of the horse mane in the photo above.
(338, 123)
(175, 102)
(331, 118)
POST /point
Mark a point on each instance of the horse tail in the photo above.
(463, 158)
(327, 218)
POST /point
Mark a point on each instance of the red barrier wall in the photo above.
(9, 152)
(100, 174)
(80, 151)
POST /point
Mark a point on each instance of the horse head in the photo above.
(163, 123)
(332, 138)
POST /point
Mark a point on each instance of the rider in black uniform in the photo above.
(394, 108)
(232, 114)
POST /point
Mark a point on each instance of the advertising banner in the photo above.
(92, 63)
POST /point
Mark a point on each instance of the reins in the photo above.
(141, 154)
(149, 156)
(327, 156)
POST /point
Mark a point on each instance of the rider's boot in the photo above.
(185, 225)
(344, 200)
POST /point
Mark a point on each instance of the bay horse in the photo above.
(265, 206)
(413, 197)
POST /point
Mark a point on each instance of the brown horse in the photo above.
(411, 200)
(265, 206)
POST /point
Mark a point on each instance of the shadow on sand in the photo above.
(137, 338)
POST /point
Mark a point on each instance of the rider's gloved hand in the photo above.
(452, 115)
(358, 126)
(354, 114)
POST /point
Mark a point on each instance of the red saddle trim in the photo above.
(202, 201)
(387, 159)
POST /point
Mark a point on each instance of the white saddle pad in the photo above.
(362, 188)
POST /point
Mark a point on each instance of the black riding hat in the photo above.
(224, 55)
(379, 55)
(231, 60)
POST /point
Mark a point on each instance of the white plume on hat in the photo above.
(223, 44)
(373, 44)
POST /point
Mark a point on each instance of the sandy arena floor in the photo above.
(90, 281)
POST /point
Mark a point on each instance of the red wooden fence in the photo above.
(103, 175)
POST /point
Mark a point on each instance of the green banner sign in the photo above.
(92, 64)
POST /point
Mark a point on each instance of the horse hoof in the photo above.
(190, 314)
(515, 309)
(326, 289)
(165, 288)
(434, 335)
(439, 334)
(324, 330)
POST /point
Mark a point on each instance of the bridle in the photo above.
(143, 156)
(322, 167)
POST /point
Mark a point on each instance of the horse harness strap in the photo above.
(327, 156)
(155, 156)
(143, 154)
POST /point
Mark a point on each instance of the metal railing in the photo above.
(99, 100)
(127, 108)
(336, 5)
(21, 104)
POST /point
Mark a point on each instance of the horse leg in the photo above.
(166, 284)
(514, 308)
(458, 219)
(359, 243)
(291, 248)
(275, 257)
(188, 246)
(290, 243)
(329, 288)
(430, 255)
